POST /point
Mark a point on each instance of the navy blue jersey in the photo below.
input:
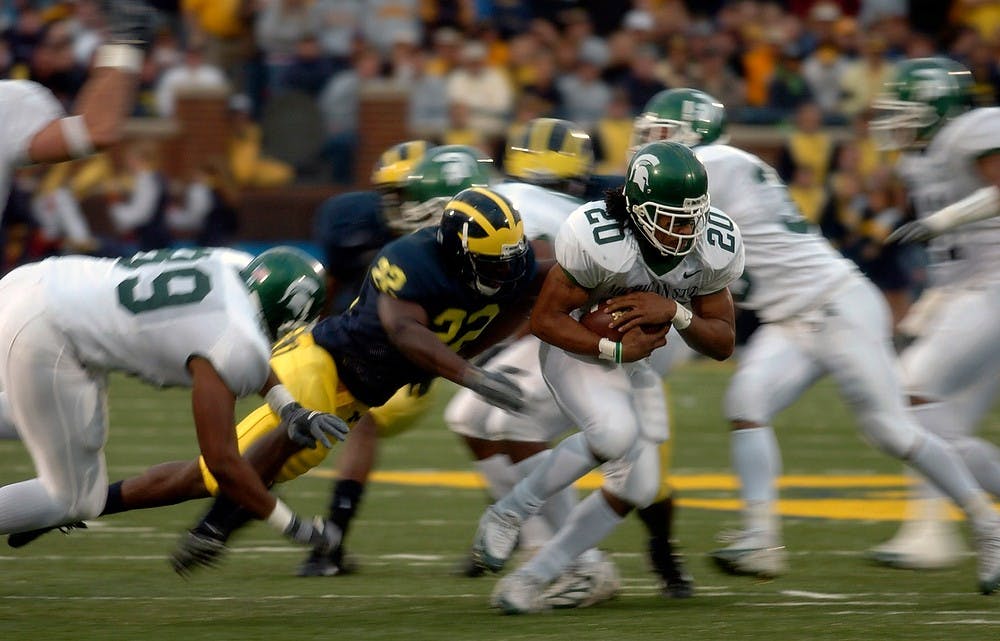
(597, 184)
(351, 231)
(414, 269)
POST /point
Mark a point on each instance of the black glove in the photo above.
(496, 388)
(306, 427)
(200, 547)
(131, 22)
(320, 534)
(912, 232)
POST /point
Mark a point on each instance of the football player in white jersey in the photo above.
(658, 256)
(819, 317)
(951, 167)
(172, 318)
(35, 129)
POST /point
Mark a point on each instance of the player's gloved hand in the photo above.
(321, 534)
(306, 427)
(131, 22)
(498, 389)
(203, 546)
(912, 232)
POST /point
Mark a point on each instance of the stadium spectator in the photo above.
(640, 82)
(427, 95)
(139, 200)
(192, 74)
(338, 103)
(280, 25)
(247, 162)
(823, 71)
(309, 69)
(585, 96)
(383, 20)
(808, 144)
(484, 89)
(864, 77)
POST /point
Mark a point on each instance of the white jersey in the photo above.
(25, 109)
(945, 173)
(149, 314)
(542, 210)
(604, 258)
(789, 266)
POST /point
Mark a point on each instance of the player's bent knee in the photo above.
(610, 443)
(895, 438)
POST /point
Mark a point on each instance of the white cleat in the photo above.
(496, 538)
(920, 545)
(519, 593)
(751, 554)
(583, 584)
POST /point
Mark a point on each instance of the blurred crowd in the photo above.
(475, 69)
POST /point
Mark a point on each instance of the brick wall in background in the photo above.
(382, 123)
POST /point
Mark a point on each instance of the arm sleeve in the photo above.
(140, 207)
(26, 108)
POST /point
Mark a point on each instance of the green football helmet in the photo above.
(922, 96)
(288, 286)
(666, 196)
(482, 236)
(443, 172)
(687, 116)
(552, 153)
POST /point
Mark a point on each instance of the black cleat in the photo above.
(669, 564)
(335, 563)
(20, 539)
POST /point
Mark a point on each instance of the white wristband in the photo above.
(281, 516)
(77, 136)
(682, 317)
(278, 397)
(981, 204)
(119, 56)
(609, 350)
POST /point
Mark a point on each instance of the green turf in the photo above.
(112, 582)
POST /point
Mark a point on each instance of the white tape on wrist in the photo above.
(981, 204)
(682, 317)
(281, 516)
(119, 56)
(278, 397)
(77, 136)
(609, 350)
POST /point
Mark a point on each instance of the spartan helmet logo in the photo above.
(456, 167)
(639, 175)
(299, 297)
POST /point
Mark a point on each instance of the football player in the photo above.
(819, 317)
(33, 125)
(548, 164)
(67, 322)
(951, 168)
(431, 299)
(648, 249)
(415, 185)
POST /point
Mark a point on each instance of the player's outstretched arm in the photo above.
(304, 427)
(405, 322)
(107, 98)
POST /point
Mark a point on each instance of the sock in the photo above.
(757, 461)
(983, 460)
(114, 504)
(568, 461)
(944, 467)
(658, 518)
(499, 474)
(557, 507)
(223, 518)
(344, 503)
(591, 521)
(28, 506)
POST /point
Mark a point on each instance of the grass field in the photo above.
(112, 581)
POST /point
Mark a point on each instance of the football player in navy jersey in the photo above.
(414, 184)
(431, 300)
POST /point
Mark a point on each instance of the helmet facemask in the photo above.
(414, 215)
(901, 124)
(490, 274)
(671, 230)
(650, 127)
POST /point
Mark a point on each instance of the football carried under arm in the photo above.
(551, 322)
(709, 327)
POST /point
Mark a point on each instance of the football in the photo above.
(597, 321)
